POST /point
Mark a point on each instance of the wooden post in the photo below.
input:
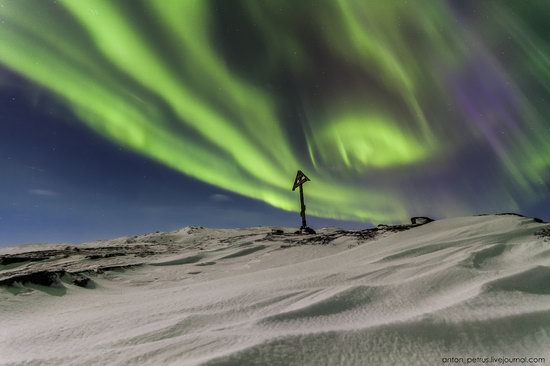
(300, 179)
(303, 208)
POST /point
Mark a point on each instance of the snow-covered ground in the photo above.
(464, 287)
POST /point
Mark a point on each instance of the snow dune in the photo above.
(465, 287)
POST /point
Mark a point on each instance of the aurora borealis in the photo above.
(392, 108)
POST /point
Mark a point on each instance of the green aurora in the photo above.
(374, 100)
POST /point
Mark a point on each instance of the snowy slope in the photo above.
(464, 287)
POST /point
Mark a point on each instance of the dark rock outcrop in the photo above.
(80, 280)
(420, 220)
(535, 219)
(43, 278)
(543, 233)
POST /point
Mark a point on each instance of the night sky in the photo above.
(122, 117)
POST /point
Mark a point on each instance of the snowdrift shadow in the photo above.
(534, 281)
(340, 302)
(185, 260)
(244, 252)
(434, 338)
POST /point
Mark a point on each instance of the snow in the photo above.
(464, 287)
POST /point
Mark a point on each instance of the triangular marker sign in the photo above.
(300, 179)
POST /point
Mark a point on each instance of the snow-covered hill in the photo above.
(410, 295)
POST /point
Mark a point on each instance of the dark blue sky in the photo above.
(62, 183)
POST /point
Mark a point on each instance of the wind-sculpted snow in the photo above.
(411, 295)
